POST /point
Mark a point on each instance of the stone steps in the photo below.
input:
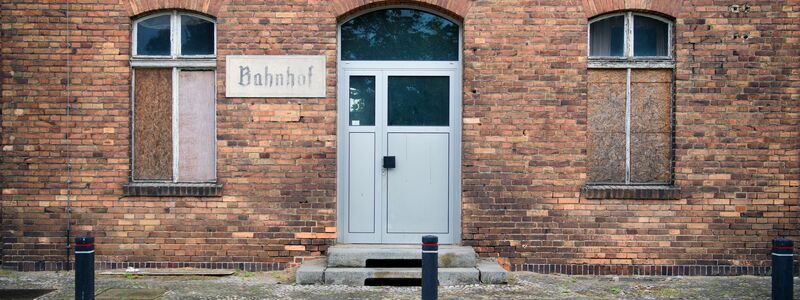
(358, 256)
(361, 264)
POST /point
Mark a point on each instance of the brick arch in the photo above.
(454, 8)
(208, 7)
(598, 7)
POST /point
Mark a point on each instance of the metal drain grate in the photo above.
(23, 294)
(394, 263)
(393, 282)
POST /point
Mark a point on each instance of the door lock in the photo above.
(388, 162)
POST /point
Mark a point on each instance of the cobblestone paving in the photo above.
(523, 285)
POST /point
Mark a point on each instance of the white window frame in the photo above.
(629, 62)
(177, 63)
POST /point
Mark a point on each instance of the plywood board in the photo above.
(650, 107)
(606, 153)
(196, 132)
(607, 95)
(650, 157)
(152, 124)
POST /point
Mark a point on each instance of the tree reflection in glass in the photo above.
(400, 34)
(197, 36)
(153, 36)
(419, 100)
(362, 101)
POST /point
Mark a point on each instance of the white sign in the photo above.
(263, 76)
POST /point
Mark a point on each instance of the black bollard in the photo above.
(782, 265)
(84, 268)
(430, 267)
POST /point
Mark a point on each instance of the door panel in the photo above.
(361, 172)
(407, 113)
(417, 189)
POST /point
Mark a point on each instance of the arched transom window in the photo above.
(400, 34)
(630, 35)
(174, 34)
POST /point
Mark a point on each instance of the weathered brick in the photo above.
(736, 148)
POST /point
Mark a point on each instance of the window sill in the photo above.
(644, 192)
(159, 189)
(634, 63)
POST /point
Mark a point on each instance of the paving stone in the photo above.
(311, 272)
(130, 294)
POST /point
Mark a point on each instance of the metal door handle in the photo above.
(388, 162)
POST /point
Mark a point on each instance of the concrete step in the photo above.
(315, 272)
(359, 276)
(360, 255)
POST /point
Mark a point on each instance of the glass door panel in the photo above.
(362, 100)
(418, 101)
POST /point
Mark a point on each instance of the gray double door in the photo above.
(398, 152)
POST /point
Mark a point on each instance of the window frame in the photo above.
(628, 60)
(176, 63)
(176, 48)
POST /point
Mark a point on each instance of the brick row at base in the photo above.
(59, 266)
(648, 270)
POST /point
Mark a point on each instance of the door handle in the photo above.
(388, 162)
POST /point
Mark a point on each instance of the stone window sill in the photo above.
(642, 192)
(160, 189)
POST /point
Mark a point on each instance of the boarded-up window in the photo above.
(195, 126)
(152, 124)
(174, 115)
(651, 102)
(629, 139)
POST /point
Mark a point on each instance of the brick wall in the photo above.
(737, 141)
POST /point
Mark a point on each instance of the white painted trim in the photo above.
(175, 125)
(132, 125)
(782, 254)
(628, 128)
(628, 35)
(170, 63)
(595, 63)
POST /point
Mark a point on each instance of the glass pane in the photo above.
(152, 36)
(197, 36)
(400, 34)
(419, 100)
(649, 37)
(362, 101)
(607, 37)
